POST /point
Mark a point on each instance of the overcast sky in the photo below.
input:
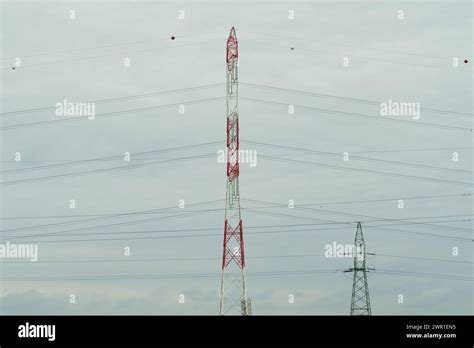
(82, 59)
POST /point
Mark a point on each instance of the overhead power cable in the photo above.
(109, 114)
(404, 176)
(368, 159)
(108, 100)
(17, 217)
(357, 115)
(348, 99)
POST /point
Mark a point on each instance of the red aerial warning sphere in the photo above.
(172, 38)
(466, 61)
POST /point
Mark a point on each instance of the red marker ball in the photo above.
(466, 61)
(172, 38)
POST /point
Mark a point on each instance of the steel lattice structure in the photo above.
(233, 287)
(360, 303)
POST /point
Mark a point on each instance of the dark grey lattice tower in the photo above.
(360, 304)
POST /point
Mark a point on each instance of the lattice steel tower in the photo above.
(360, 304)
(233, 289)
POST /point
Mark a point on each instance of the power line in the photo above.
(305, 39)
(108, 100)
(446, 69)
(352, 152)
(247, 227)
(165, 39)
(391, 230)
(216, 275)
(423, 258)
(422, 234)
(386, 199)
(128, 259)
(426, 275)
(62, 51)
(104, 159)
(82, 59)
(112, 225)
(139, 154)
(333, 154)
(106, 217)
(370, 216)
(286, 230)
(349, 99)
(342, 113)
(356, 115)
(262, 156)
(414, 177)
(252, 85)
(144, 220)
(303, 204)
(95, 171)
(329, 222)
(160, 276)
(417, 150)
(109, 114)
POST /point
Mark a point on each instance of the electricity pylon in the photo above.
(360, 303)
(233, 288)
